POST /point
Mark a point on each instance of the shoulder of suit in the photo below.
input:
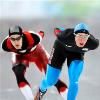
(69, 30)
(36, 33)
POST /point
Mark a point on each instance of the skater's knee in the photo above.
(74, 83)
(19, 69)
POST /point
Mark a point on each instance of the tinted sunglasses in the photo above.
(15, 39)
(82, 36)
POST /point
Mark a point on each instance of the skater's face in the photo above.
(81, 39)
(16, 41)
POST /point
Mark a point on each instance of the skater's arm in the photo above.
(37, 36)
(94, 43)
(4, 45)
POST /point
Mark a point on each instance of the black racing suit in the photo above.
(65, 47)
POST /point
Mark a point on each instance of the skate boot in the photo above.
(39, 95)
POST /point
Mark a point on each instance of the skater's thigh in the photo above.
(71, 56)
(58, 55)
(20, 59)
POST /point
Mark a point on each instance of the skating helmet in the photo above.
(81, 28)
(15, 30)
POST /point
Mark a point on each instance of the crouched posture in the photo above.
(25, 47)
(71, 43)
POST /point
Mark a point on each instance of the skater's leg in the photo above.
(23, 85)
(61, 86)
(51, 78)
(74, 72)
(54, 67)
(41, 63)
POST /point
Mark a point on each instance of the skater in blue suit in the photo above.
(71, 43)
